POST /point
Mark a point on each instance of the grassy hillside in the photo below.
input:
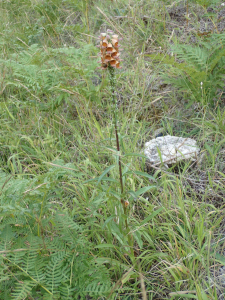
(67, 230)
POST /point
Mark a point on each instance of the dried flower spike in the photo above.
(109, 48)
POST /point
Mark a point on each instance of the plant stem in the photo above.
(112, 84)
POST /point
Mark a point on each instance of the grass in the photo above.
(56, 114)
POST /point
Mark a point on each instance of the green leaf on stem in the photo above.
(144, 190)
(155, 213)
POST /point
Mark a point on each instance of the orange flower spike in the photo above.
(109, 50)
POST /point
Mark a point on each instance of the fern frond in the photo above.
(195, 57)
(3, 271)
(97, 288)
(53, 260)
(38, 72)
(22, 290)
(201, 72)
(66, 291)
(56, 273)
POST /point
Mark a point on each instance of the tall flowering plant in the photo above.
(110, 60)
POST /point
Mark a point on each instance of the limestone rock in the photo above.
(170, 149)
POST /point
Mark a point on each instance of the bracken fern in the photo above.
(39, 75)
(197, 71)
(42, 251)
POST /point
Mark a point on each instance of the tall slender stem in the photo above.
(112, 84)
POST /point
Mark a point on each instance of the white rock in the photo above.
(170, 149)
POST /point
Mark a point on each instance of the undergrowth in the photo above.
(62, 233)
